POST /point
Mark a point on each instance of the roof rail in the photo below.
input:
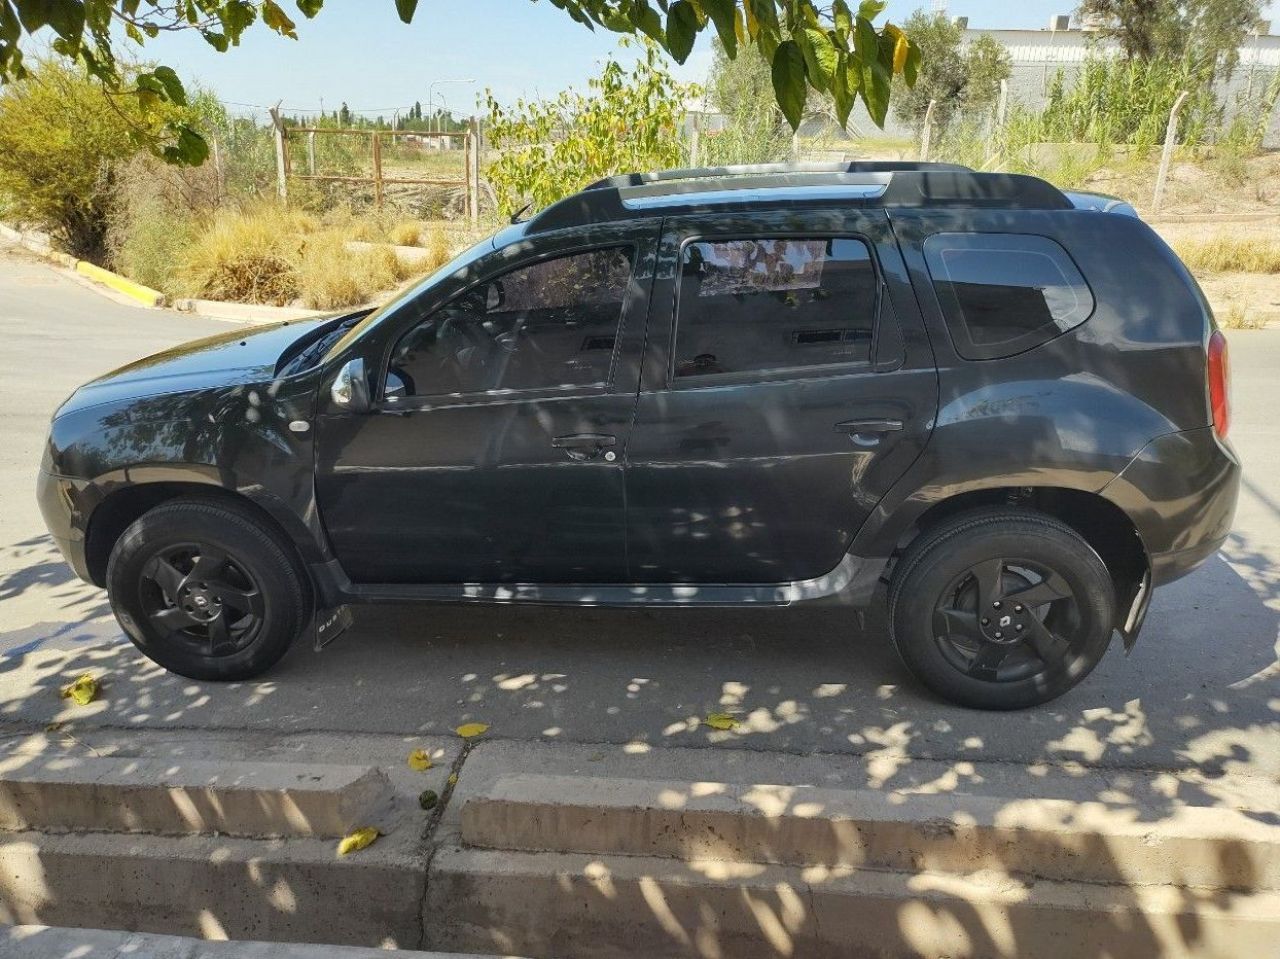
(910, 185)
(751, 169)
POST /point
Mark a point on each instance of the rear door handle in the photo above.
(869, 426)
(585, 446)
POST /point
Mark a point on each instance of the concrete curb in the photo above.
(165, 798)
(624, 906)
(44, 942)
(242, 312)
(143, 294)
(1056, 839)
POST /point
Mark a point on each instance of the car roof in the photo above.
(764, 186)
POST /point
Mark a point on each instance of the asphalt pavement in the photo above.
(1200, 691)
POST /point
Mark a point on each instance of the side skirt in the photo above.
(852, 583)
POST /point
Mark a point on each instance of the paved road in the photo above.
(1201, 690)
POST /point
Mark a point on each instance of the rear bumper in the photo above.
(1180, 491)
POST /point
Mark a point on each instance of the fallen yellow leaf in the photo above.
(82, 690)
(722, 721)
(419, 760)
(471, 730)
(453, 779)
(358, 840)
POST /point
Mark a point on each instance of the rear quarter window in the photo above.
(1004, 293)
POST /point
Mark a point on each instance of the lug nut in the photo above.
(996, 604)
(985, 621)
(1018, 627)
(999, 635)
(1017, 608)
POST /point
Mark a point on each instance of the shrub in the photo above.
(330, 276)
(406, 233)
(246, 257)
(63, 141)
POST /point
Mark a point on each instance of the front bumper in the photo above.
(58, 505)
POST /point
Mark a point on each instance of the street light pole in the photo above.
(435, 83)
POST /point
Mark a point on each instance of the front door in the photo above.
(787, 384)
(495, 455)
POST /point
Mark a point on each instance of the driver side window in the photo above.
(550, 324)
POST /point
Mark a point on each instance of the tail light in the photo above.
(1219, 405)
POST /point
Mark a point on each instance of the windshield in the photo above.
(462, 260)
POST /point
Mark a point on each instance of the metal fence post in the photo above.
(1166, 155)
(311, 153)
(926, 136)
(473, 172)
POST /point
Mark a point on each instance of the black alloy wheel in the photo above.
(1001, 608)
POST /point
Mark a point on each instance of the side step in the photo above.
(163, 797)
(951, 833)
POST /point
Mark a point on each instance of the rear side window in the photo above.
(759, 304)
(1004, 293)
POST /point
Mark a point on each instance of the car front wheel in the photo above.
(1001, 609)
(204, 589)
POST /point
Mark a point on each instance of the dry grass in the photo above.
(438, 246)
(1239, 318)
(330, 276)
(278, 256)
(405, 233)
(1231, 254)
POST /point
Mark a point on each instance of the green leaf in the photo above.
(842, 16)
(722, 13)
(843, 92)
(274, 17)
(911, 69)
(788, 81)
(216, 40)
(870, 9)
(647, 21)
(310, 8)
(820, 57)
(190, 149)
(682, 29)
(173, 88)
(877, 75)
(767, 32)
(406, 9)
(66, 17)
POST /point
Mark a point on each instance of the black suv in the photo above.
(756, 385)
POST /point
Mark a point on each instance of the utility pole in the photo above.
(282, 169)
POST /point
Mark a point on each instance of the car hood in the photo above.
(225, 359)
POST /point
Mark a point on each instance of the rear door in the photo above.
(787, 383)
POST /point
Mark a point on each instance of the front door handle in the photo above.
(585, 446)
(869, 426)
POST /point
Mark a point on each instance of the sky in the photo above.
(358, 52)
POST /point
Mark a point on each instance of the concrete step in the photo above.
(594, 907)
(167, 797)
(294, 890)
(1072, 841)
(43, 942)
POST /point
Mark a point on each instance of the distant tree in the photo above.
(1206, 33)
(344, 115)
(754, 131)
(961, 77)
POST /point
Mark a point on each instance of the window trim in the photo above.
(957, 324)
(499, 397)
(773, 374)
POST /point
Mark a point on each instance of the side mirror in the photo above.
(350, 389)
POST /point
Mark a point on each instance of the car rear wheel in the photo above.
(1001, 609)
(206, 591)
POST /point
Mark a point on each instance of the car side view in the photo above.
(742, 386)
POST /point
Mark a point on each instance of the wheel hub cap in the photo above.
(198, 600)
(1004, 623)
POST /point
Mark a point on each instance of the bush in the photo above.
(246, 258)
(330, 276)
(63, 141)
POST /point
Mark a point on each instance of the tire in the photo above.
(207, 590)
(957, 623)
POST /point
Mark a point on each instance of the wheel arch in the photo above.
(118, 510)
(1107, 528)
